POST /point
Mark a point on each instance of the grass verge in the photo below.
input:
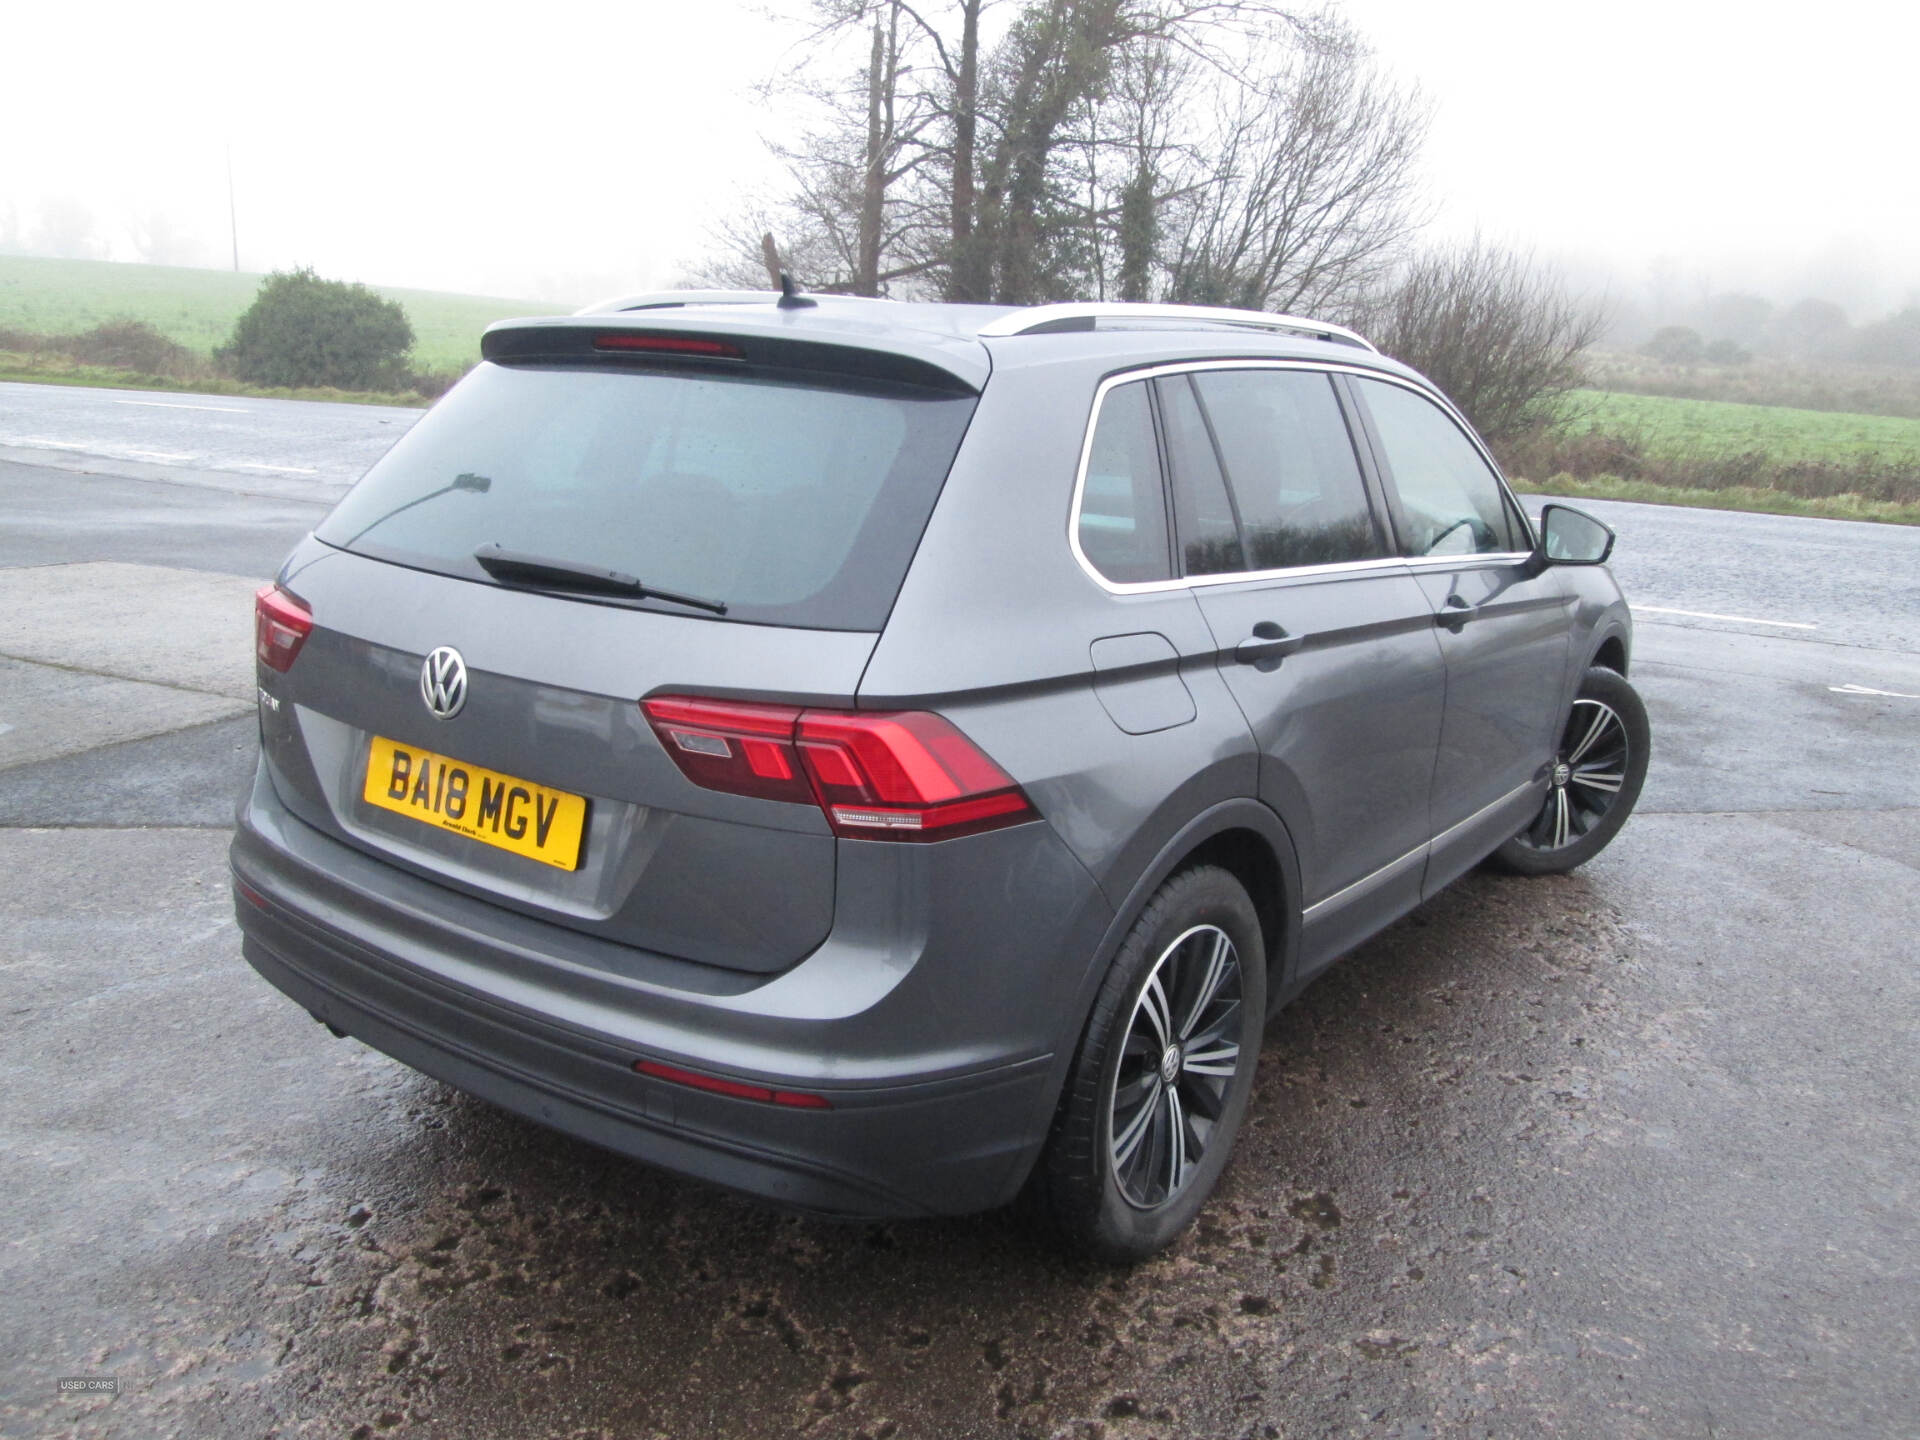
(37, 369)
(1733, 497)
(1726, 455)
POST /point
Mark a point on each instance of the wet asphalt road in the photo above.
(1632, 1152)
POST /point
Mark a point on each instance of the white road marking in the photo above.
(277, 469)
(94, 447)
(174, 405)
(1737, 619)
(1851, 689)
(4, 727)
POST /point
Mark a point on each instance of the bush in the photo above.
(305, 331)
(1725, 352)
(1675, 344)
(1491, 329)
(131, 345)
(1854, 389)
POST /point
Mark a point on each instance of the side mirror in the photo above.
(1573, 537)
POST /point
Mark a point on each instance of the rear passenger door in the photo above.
(1503, 627)
(1324, 638)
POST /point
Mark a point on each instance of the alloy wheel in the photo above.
(1177, 1066)
(1586, 778)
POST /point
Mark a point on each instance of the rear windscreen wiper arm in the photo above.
(567, 575)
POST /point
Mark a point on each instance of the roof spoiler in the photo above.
(723, 342)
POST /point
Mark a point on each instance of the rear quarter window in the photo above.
(1122, 527)
(794, 502)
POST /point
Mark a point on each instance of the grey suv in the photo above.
(884, 756)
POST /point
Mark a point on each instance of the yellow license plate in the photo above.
(501, 810)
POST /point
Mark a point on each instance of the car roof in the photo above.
(969, 342)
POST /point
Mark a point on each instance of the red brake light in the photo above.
(900, 775)
(669, 345)
(281, 625)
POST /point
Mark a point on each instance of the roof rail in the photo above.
(1042, 319)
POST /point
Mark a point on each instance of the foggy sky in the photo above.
(564, 151)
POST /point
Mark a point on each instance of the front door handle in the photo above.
(1267, 646)
(1456, 612)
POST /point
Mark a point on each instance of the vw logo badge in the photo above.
(443, 682)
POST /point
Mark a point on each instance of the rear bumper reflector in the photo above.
(737, 1089)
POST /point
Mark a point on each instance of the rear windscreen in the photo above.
(792, 503)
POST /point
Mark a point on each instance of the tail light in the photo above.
(899, 775)
(281, 625)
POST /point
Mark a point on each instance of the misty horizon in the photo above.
(1666, 159)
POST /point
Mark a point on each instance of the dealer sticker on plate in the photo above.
(500, 810)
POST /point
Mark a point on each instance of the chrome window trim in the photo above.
(1236, 577)
(1239, 577)
(1476, 560)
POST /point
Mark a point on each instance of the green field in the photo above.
(1725, 454)
(197, 308)
(1703, 427)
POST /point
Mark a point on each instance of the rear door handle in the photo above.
(1268, 645)
(1456, 612)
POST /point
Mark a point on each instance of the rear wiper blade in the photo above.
(505, 564)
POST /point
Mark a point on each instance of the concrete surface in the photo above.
(188, 629)
(1634, 1152)
(48, 711)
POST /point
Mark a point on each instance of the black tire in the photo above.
(1125, 1202)
(1604, 743)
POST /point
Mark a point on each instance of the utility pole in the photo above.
(233, 216)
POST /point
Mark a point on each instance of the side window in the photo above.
(1450, 502)
(1290, 464)
(1203, 515)
(1123, 513)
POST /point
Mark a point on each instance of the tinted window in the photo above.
(1450, 502)
(794, 503)
(1290, 463)
(1123, 512)
(1203, 515)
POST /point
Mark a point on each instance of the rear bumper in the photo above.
(929, 1113)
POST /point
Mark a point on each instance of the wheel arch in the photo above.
(1250, 842)
(1611, 652)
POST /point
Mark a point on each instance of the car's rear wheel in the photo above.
(1597, 773)
(1163, 1072)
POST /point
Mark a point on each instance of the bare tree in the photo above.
(1494, 329)
(1074, 149)
(1310, 197)
(838, 224)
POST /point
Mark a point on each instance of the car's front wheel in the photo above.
(1597, 773)
(1163, 1073)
